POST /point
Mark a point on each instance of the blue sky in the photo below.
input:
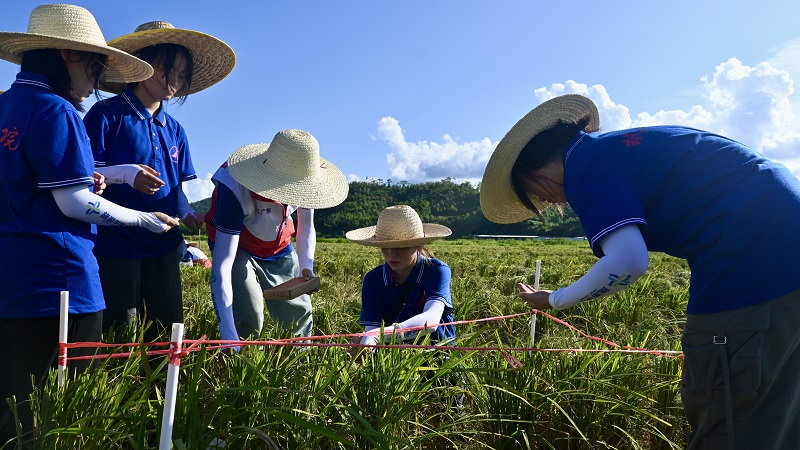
(419, 90)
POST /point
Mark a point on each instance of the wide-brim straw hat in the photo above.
(499, 201)
(289, 170)
(70, 27)
(213, 59)
(398, 226)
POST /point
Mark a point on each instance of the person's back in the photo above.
(698, 196)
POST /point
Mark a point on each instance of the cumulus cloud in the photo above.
(199, 188)
(424, 161)
(755, 105)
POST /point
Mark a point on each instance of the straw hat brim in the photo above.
(499, 202)
(326, 189)
(366, 236)
(121, 65)
(213, 59)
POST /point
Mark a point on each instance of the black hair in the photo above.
(541, 149)
(49, 63)
(163, 56)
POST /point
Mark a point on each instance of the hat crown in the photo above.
(295, 152)
(66, 22)
(398, 223)
(154, 25)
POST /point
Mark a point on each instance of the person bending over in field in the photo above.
(250, 230)
(411, 288)
(692, 194)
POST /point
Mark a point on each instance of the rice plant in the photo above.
(286, 397)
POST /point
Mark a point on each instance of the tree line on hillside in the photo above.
(445, 202)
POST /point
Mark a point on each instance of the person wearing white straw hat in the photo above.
(48, 210)
(694, 195)
(412, 288)
(250, 230)
(144, 152)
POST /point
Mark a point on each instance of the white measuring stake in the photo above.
(535, 288)
(168, 418)
(63, 321)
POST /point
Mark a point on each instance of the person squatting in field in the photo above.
(48, 198)
(139, 271)
(412, 288)
(726, 209)
(250, 230)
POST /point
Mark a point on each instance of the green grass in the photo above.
(287, 398)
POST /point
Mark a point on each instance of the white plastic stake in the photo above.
(535, 288)
(168, 418)
(63, 322)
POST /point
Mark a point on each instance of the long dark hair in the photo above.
(164, 56)
(542, 148)
(49, 63)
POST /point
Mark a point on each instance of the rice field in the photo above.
(280, 397)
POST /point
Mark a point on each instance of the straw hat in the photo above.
(398, 226)
(69, 27)
(290, 171)
(499, 202)
(213, 59)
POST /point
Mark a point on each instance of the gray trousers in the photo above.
(250, 277)
(741, 377)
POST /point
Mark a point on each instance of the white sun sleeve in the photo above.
(122, 173)
(306, 238)
(626, 259)
(77, 202)
(223, 255)
(430, 317)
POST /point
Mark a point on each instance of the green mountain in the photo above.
(456, 206)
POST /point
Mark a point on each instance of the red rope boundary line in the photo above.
(176, 353)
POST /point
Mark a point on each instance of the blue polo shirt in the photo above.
(43, 146)
(729, 211)
(379, 292)
(122, 131)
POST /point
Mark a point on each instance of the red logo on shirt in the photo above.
(632, 139)
(174, 153)
(8, 138)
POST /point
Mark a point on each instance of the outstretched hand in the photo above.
(194, 220)
(167, 219)
(147, 180)
(535, 299)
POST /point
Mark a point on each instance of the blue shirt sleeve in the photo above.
(186, 167)
(372, 299)
(60, 152)
(437, 284)
(229, 216)
(97, 126)
(604, 203)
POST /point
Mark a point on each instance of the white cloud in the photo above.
(199, 188)
(755, 105)
(787, 58)
(612, 115)
(353, 177)
(425, 161)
